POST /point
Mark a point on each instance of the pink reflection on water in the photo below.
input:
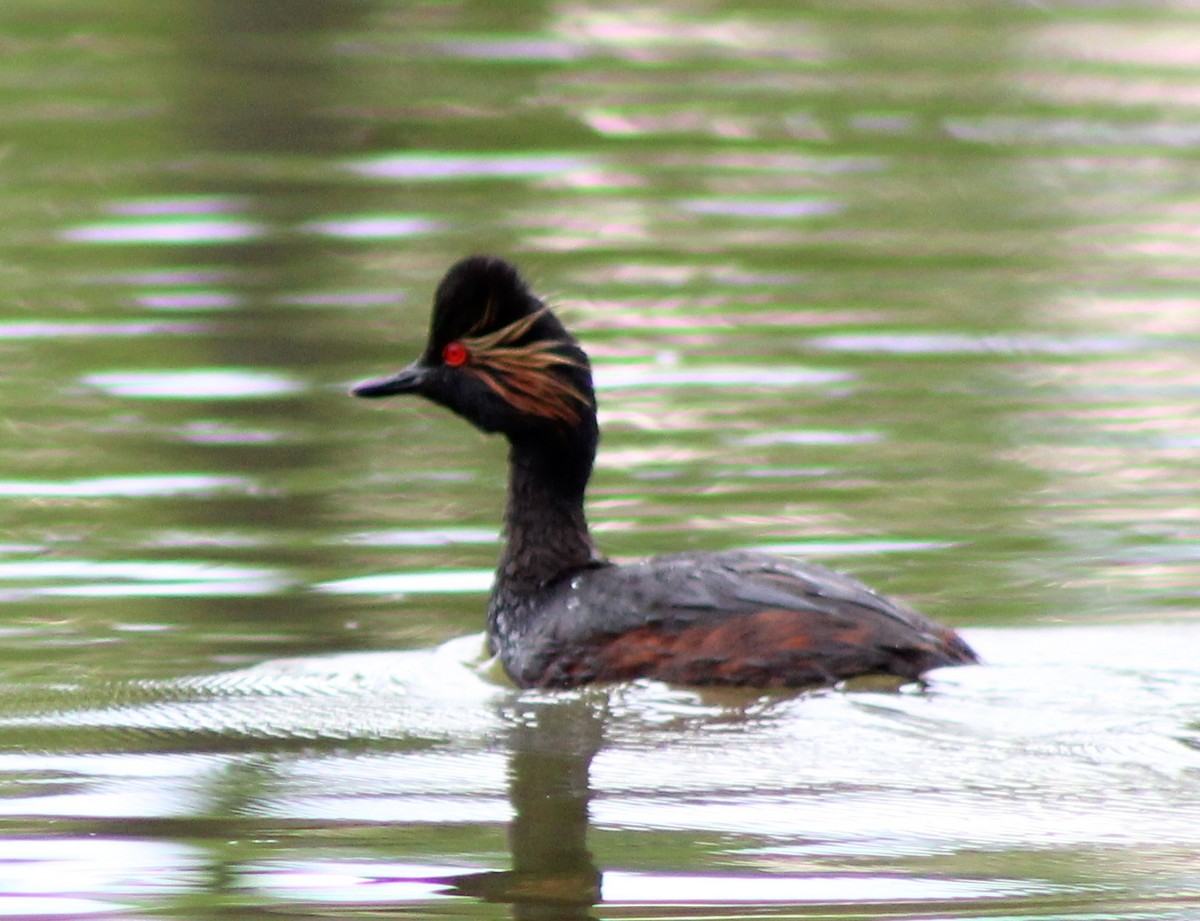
(66, 329)
(1135, 314)
(762, 207)
(190, 300)
(647, 34)
(342, 299)
(514, 49)
(614, 123)
(1128, 44)
(372, 227)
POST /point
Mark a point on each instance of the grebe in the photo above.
(560, 614)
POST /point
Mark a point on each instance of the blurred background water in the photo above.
(908, 288)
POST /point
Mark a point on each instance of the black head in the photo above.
(499, 358)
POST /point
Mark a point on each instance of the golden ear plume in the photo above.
(521, 375)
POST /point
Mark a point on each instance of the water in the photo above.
(908, 289)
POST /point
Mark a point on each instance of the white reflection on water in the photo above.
(441, 166)
(210, 220)
(214, 433)
(191, 300)
(401, 807)
(1091, 131)
(1071, 737)
(136, 578)
(650, 888)
(348, 882)
(166, 484)
(447, 581)
(616, 377)
(651, 34)
(1120, 44)
(152, 796)
(196, 384)
(807, 437)
(372, 227)
(184, 233)
(518, 48)
(54, 906)
(181, 219)
(137, 570)
(898, 343)
(851, 547)
(421, 537)
(204, 588)
(342, 299)
(53, 877)
(763, 207)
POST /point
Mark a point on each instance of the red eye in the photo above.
(455, 354)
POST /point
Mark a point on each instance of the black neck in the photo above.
(545, 528)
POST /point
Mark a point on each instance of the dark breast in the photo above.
(736, 618)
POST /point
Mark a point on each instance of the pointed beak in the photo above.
(409, 380)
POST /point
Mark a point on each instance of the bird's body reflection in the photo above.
(552, 743)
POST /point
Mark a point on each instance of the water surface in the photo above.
(909, 290)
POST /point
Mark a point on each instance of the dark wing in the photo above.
(738, 618)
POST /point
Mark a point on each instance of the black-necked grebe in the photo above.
(560, 614)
